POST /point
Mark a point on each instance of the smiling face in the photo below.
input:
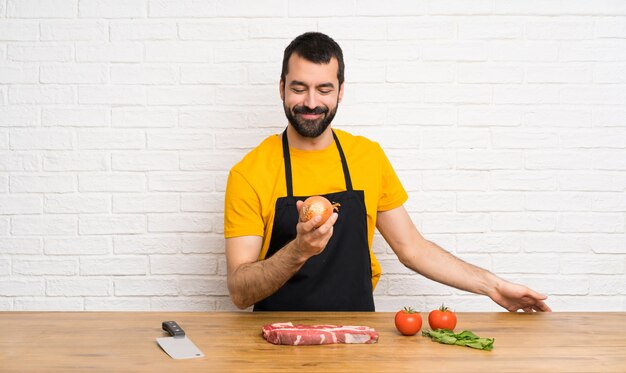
(311, 94)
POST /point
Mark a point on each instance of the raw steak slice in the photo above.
(298, 335)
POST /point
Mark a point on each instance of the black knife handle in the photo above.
(173, 328)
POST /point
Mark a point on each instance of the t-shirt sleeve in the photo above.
(392, 193)
(242, 209)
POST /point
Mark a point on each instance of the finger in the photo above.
(328, 224)
(299, 205)
(542, 307)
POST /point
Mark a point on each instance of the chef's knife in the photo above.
(178, 346)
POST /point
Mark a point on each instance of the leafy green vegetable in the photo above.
(465, 338)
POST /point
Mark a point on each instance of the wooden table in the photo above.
(232, 342)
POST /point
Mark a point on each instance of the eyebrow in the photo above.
(322, 85)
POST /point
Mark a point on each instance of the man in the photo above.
(275, 261)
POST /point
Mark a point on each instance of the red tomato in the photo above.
(317, 205)
(408, 321)
(442, 318)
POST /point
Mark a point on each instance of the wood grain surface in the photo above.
(232, 342)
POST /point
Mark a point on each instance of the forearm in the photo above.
(439, 265)
(252, 282)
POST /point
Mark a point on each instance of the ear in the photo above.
(340, 95)
(281, 87)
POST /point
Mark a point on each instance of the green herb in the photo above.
(465, 338)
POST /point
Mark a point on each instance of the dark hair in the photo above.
(317, 48)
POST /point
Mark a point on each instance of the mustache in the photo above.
(305, 110)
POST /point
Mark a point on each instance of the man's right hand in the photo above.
(309, 240)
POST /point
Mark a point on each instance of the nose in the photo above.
(310, 101)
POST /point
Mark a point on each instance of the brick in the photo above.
(590, 181)
(488, 160)
(414, 285)
(96, 245)
(591, 264)
(609, 73)
(455, 223)
(489, 28)
(47, 225)
(181, 182)
(557, 117)
(526, 263)
(557, 160)
(557, 73)
(420, 73)
(192, 264)
(488, 243)
(39, 52)
(535, 94)
(561, 30)
(190, 117)
(591, 223)
(220, 29)
(609, 202)
(459, 138)
(112, 9)
(18, 116)
(168, 244)
(41, 8)
(145, 287)
(73, 73)
(142, 117)
(613, 27)
(42, 139)
(426, 30)
(603, 51)
(245, 139)
(524, 51)
(608, 243)
(523, 180)
(140, 30)
(610, 117)
(188, 222)
(525, 222)
(254, 95)
(109, 52)
(598, 95)
(115, 182)
(74, 31)
(73, 304)
(203, 286)
(214, 74)
(180, 140)
(20, 204)
(113, 266)
(115, 139)
(356, 29)
(75, 117)
(484, 73)
(374, 94)
(460, 7)
(560, 201)
(19, 74)
(489, 202)
(112, 224)
(418, 115)
(524, 139)
(42, 183)
(75, 161)
(393, 51)
(78, 286)
(533, 7)
(587, 303)
(375, 8)
(191, 304)
(19, 30)
(20, 245)
(5, 267)
(16, 161)
(146, 203)
(270, 8)
(144, 161)
(460, 94)
(130, 304)
(181, 9)
(48, 94)
(181, 95)
(489, 116)
(75, 204)
(607, 285)
(454, 51)
(213, 202)
(112, 95)
(555, 242)
(143, 74)
(431, 202)
(39, 267)
(594, 138)
(178, 51)
(457, 181)
(279, 28)
(208, 161)
(13, 288)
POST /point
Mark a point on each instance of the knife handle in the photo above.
(173, 328)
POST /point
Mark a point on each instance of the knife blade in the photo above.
(178, 346)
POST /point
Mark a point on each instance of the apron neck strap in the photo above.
(287, 158)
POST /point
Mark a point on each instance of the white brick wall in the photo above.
(119, 121)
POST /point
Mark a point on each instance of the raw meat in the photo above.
(298, 335)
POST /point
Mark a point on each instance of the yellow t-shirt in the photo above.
(258, 180)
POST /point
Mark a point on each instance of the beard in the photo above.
(310, 127)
